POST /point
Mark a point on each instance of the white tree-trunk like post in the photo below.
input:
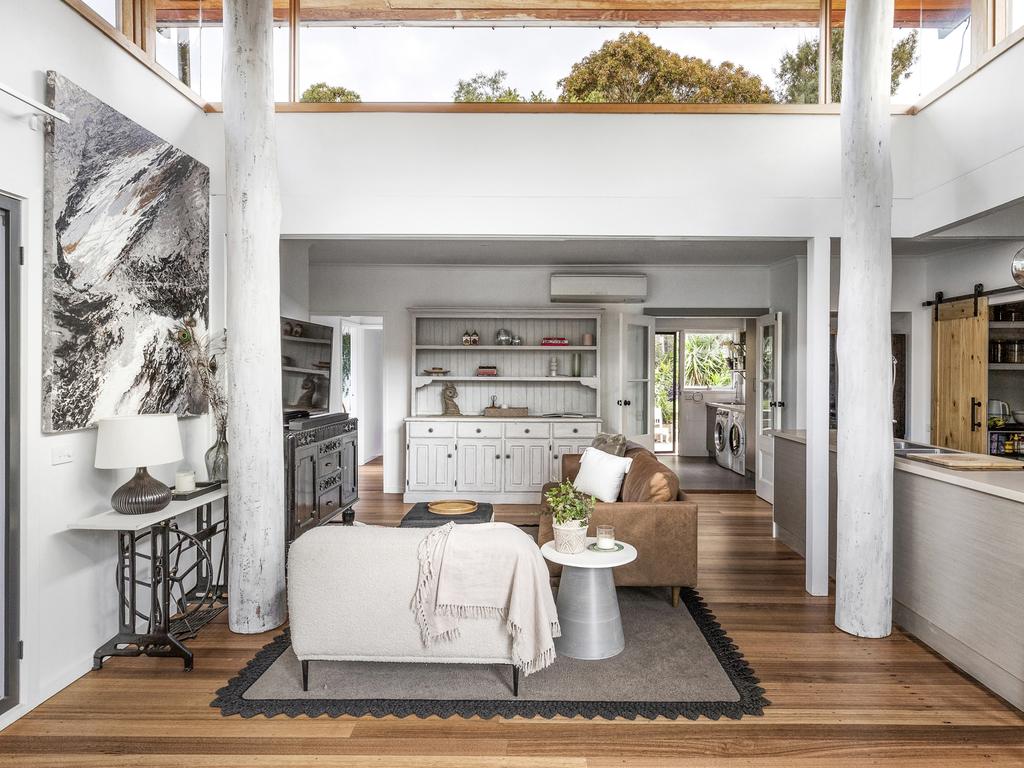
(864, 345)
(256, 600)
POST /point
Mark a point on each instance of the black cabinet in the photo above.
(322, 470)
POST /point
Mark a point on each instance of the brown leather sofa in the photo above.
(652, 515)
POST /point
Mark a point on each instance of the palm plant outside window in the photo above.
(705, 361)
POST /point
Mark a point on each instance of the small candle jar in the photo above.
(605, 537)
(184, 482)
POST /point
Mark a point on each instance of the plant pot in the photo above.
(570, 537)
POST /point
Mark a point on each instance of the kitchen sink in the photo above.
(903, 448)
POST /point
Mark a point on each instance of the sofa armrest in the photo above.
(665, 537)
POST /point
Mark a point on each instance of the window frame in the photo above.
(136, 34)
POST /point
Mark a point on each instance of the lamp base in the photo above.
(141, 495)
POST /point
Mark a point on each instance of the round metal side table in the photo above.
(588, 608)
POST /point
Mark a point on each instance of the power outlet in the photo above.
(60, 455)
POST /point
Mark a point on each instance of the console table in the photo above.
(182, 572)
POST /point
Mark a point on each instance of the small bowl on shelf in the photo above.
(1018, 416)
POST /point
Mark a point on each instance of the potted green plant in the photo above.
(570, 514)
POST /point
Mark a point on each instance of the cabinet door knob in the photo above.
(508, 455)
(626, 402)
(618, 402)
(449, 455)
(478, 430)
(430, 429)
(575, 430)
(526, 431)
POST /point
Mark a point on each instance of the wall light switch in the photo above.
(60, 455)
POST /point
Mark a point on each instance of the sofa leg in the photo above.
(305, 675)
(675, 597)
(515, 680)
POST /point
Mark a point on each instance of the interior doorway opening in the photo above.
(357, 382)
(666, 391)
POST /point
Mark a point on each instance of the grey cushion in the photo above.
(610, 443)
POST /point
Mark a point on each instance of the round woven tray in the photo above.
(452, 507)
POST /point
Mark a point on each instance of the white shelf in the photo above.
(586, 381)
(1006, 324)
(314, 371)
(506, 348)
(1006, 366)
(304, 340)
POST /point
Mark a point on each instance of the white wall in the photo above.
(295, 279)
(389, 291)
(68, 602)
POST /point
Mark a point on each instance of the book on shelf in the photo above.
(554, 341)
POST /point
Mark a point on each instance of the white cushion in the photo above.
(601, 474)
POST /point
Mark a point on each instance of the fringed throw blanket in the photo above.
(488, 570)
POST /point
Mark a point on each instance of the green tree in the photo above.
(633, 70)
(798, 70)
(331, 94)
(491, 88)
(704, 364)
(665, 386)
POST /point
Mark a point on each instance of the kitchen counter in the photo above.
(500, 419)
(958, 537)
(1005, 484)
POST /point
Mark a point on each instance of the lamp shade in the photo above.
(137, 441)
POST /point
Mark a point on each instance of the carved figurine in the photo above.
(308, 394)
(448, 395)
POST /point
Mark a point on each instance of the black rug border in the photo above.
(230, 699)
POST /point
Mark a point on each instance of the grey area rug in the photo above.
(677, 663)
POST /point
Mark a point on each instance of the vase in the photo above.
(217, 458)
(570, 537)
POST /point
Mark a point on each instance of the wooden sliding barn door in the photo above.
(960, 376)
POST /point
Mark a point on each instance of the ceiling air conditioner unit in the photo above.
(599, 289)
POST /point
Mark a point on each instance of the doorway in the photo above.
(10, 244)
(666, 391)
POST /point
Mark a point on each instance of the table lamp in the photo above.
(138, 441)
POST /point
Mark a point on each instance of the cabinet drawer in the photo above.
(574, 431)
(530, 429)
(325, 465)
(329, 503)
(431, 428)
(479, 429)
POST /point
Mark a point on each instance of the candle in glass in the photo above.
(605, 537)
(184, 482)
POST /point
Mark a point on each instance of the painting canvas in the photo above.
(126, 260)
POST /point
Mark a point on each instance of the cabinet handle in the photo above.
(626, 402)
(508, 455)
(430, 429)
(330, 503)
(328, 464)
(526, 431)
(618, 402)
(449, 455)
(478, 430)
(975, 423)
(575, 430)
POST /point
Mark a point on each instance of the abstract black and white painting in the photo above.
(126, 259)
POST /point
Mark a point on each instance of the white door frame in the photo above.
(764, 452)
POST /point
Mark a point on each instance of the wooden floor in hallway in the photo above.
(836, 700)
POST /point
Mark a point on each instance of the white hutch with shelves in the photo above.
(493, 458)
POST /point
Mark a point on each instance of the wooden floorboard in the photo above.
(837, 700)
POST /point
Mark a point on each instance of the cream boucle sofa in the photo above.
(350, 592)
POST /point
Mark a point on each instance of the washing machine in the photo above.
(738, 443)
(723, 421)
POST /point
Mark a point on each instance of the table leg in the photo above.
(588, 612)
